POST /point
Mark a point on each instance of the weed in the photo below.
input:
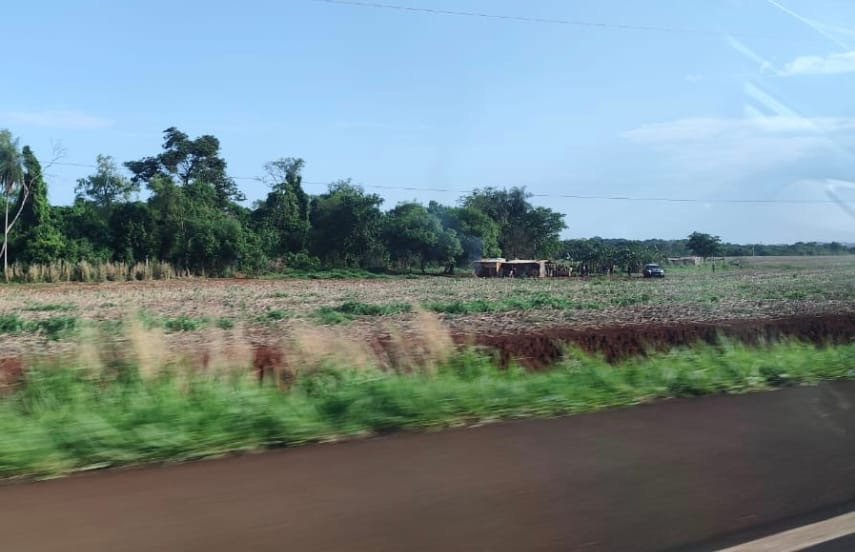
(52, 328)
(349, 310)
(225, 323)
(184, 323)
(272, 315)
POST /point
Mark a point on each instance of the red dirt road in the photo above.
(655, 477)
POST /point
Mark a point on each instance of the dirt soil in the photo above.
(697, 475)
(541, 348)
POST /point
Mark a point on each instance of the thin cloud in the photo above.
(739, 146)
(833, 64)
(53, 119)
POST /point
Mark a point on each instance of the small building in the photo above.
(518, 268)
(488, 268)
(686, 261)
(524, 268)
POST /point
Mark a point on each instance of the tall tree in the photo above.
(704, 245)
(345, 225)
(477, 233)
(189, 161)
(12, 182)
(40, 239)
(282, 219)
(411, 234)
(107, 186)
(524, 231)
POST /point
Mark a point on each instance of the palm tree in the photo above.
(11, 181)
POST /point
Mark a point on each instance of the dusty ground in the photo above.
(766, 289)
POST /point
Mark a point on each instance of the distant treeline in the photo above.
(194, 220)
(681, 248)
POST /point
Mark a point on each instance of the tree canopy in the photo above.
(193, 215)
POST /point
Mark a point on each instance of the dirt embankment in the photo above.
(541, 348)
(538, 349)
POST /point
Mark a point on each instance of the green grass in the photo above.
(225, 323)
(272, 315)
(184, 323)
(54, 327)
(516, 302)
(66, 418)
(180, 323)
(349, 310)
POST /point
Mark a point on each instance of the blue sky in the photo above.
(755, 102)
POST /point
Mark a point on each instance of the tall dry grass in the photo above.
(83, 271)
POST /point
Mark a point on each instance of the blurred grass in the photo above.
(63, 418)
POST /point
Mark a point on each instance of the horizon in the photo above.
(751, 106)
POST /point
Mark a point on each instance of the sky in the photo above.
(712, 101)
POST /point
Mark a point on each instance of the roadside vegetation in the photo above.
(89, 414)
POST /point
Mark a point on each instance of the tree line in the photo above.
(193, 217)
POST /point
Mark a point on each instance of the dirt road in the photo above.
(677, 475)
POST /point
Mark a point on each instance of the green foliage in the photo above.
(193, 220)
(38, 239)
(107, 186)
(599, 256)
(525, 231)
(184, 323)
(189, 161)
(346, 223)
(704, 245)
(65, 418)
(273, 315)
(477, 233)
(349, 310)
(414, 236)
(282, 220)
(517, 302)
(54, 327)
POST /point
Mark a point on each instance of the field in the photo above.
(107, 374)
(187, 315)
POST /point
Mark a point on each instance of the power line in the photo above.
(542, 20)
(553, 196)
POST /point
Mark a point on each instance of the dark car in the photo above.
(653, 270)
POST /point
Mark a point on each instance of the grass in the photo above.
(272, 315)
(516, 302)
(52, 328)
(64, 418)
(349, 310)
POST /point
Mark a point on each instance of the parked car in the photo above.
(653, 270)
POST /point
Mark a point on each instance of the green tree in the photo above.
(107, 186)
(191, 231)
(131, 231)
(12, 183)
(524, 231)
(282, 219)
(40, 241)
(189, 161)
(345, 224)
(477, 233)
(411, 235)
(704, 245)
